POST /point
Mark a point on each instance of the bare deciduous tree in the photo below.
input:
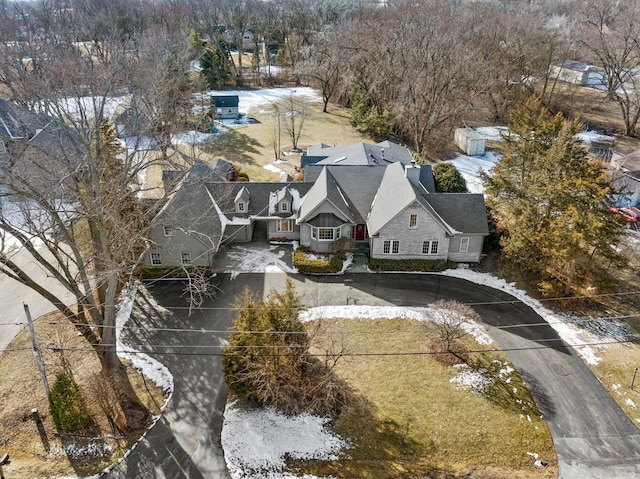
(611, 33)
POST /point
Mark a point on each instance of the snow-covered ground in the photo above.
(251, 100)
(470, 167)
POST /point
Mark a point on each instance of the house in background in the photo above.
(225, 107)
(578, 73)
(381, 200)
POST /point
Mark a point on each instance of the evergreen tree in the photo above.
(216, 64)
(448, 179)
(551, 202)
(66, 404)
(367, 116)
(268, 351)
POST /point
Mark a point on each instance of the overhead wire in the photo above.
(356, 354)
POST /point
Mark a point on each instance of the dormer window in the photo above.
(241, 208)
(284, 206)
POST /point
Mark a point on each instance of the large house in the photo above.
(390, 206)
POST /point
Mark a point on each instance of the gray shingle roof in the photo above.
(394, 194)
(225, 101)
(464, 212)
(383, 153)
(357, 184)
(224, 193)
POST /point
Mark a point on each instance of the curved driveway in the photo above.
(593, 437)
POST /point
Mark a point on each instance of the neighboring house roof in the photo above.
(225, 101)
(18, 123)
(383, 153)
(38, 146)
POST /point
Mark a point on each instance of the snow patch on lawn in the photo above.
(471, 379)
(257, 442)
(568, 332)
(154, 370)
(378, 312)
(470, 166)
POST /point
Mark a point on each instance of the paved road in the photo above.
(593, 438)
(185, 443)
(14, 294)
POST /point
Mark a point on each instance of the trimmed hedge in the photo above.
(428, 265)
(306, 265)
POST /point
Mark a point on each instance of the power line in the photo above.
(132, 327)
(481, 303)
(355, 354)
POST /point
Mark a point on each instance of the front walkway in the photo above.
(254, 257)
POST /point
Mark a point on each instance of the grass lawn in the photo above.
(22, 390)
(251, 146)
(414, 421)
(615, 372)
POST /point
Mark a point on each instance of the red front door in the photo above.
(359, 232)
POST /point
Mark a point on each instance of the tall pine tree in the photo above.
(551, 202)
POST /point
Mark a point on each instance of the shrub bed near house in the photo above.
(410, 265)
(315, 265)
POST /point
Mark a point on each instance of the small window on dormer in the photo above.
(284, 206)
(240, 207)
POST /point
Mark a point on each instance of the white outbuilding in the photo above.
(469, 141)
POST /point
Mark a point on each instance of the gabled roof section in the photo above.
(396, 193)
(190, 208)
(325, 188)
(224, 194)
(383, 153)
(243, 195)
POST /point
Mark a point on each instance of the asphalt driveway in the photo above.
(593, 438)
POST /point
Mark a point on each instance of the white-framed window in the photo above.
(185, 258)
(314, 233)
(167, 230)
(325, 234)
(240, 207)
(430, 247)
(284, 206)
(284, 226)
(391, 247)
(464, 245)
(156, 259)
(413, 221)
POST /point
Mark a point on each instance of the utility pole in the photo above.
(36, 351)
